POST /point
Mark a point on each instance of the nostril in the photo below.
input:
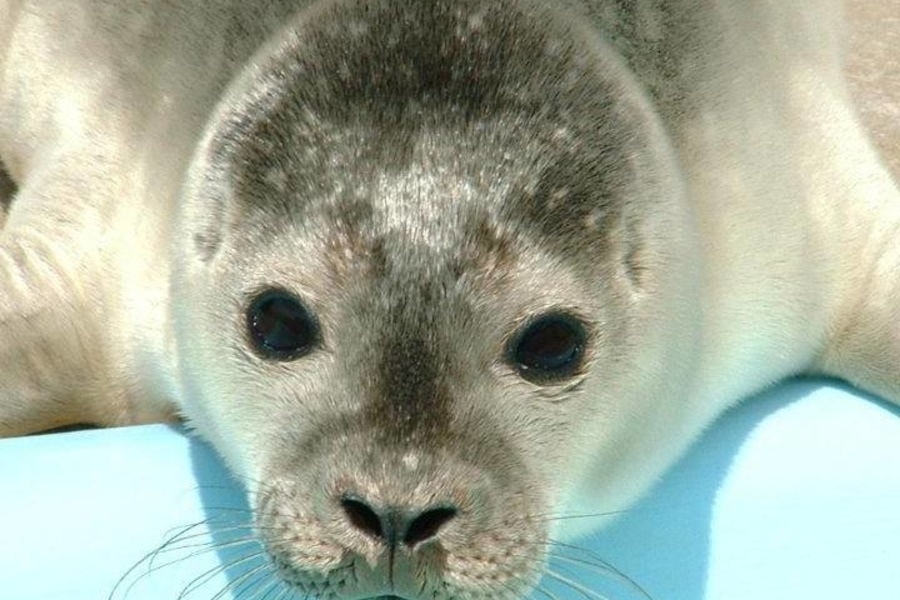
(363, 517)
(427, 524)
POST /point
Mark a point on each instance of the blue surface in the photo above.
(794, 495)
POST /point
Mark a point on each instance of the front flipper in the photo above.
(864, 338)
(54, 316)
(46, 361)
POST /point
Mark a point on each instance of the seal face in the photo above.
(408, 175)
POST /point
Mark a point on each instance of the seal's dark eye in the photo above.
(549, 348)
(281, 328)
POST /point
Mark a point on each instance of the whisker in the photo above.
(234, 585)
(200, 549)
(276, 586)
(565, 517)
(264, 584)
(173, 546)
(593, 559)
(246, 510)
(597, 564)
(196, 541)
(209, 527)
(541, 589)
(148, 559)
(593, 562)
(178, 531)
(209, 574)
(516, 594)
(583, 590)
(287, 593)
(173, 539)
(213, 530)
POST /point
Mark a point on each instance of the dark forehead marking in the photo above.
(515, 96)
(364, 80)
(573, 201)
(469, 57)
(410, 398)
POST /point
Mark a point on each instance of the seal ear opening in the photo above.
(634, 257)
(206, 244)
(8, 189)
(205, 223)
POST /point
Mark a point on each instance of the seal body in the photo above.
(430, 274)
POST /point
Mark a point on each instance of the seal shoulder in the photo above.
(873, 71)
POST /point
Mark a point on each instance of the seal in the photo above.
(431, 274)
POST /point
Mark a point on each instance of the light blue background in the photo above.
(794, 495)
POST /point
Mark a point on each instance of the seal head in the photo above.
(420, 243)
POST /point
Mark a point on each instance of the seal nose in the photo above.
(394, 525)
